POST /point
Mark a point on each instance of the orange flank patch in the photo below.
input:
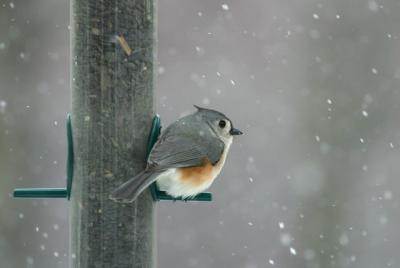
(197, 175)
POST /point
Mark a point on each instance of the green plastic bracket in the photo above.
(54, 192)
(155, 192)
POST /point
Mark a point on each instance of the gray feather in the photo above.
(131, 189)
(175, 150)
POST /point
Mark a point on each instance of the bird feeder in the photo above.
(66, 192)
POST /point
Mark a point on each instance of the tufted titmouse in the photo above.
(187, 157)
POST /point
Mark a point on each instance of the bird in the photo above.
(187, 157)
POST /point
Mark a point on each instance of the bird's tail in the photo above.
(131, 189)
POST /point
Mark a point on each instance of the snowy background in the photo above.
(315, 86)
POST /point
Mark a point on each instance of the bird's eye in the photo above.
(222, 123)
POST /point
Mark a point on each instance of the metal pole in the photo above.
(112, 97)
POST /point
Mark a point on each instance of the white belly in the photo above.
(170, 182)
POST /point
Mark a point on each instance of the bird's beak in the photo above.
(235, 131)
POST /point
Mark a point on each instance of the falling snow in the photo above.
(161, 70)
(383, 219)
(309, 254)
(206, 101)
(3, 105)
(388, 195)
(286, 239)
(29, 260)
(343, 239)
(373, 6)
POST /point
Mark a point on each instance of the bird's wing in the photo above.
(174, 151)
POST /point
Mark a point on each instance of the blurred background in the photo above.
(315, 86)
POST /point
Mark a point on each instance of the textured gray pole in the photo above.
(112, 83)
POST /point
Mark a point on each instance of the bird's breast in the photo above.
(198, 175)
(202, 176)
(189, 181)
